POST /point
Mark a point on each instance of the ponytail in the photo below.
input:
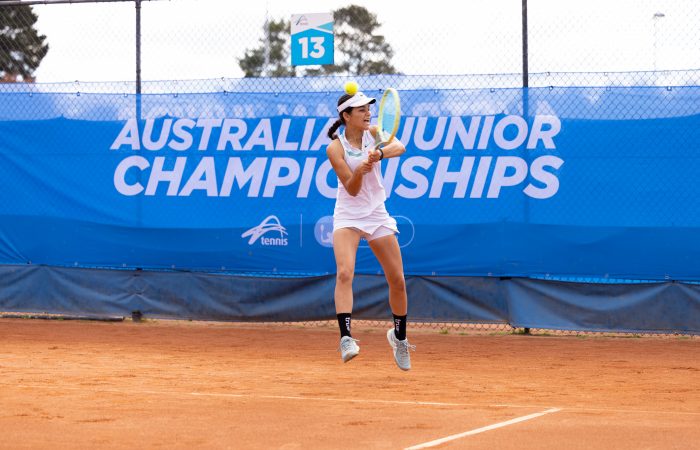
(331, 131)
(339, 121)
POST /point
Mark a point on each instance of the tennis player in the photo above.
(360, 214)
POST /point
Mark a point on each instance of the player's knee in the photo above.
(396, 281)
(344, 276)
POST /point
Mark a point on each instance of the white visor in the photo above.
(356, 100)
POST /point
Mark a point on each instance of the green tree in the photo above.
(359, 50)
(21, 46)
(275, 44)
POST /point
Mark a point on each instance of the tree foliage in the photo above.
(21, 46)
(359, 50)
(362, 51)
(254, 63)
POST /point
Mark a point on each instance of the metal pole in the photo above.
(138, 59)
(526, 110)
(525, 69)
(525, 55)
(139, 201)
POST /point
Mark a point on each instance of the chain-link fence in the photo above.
(592, 42)
(458, 62)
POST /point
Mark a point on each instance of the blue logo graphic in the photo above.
(407, 231)
(323, 231)
(270, 223)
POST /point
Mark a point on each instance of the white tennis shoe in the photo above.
(348, 348)
(400, 350)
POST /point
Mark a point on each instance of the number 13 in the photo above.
(318, 50)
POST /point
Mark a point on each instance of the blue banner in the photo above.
(570, 182)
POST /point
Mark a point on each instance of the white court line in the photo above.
(481, 430)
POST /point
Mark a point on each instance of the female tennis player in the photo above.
(360, 214)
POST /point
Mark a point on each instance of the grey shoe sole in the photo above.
(350, 356)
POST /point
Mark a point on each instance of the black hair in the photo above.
(340, 121)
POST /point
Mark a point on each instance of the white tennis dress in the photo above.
(365, 211)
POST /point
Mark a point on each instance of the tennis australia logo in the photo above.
(271, 224)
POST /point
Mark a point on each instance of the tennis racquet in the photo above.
(389, 117)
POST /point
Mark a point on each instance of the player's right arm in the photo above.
(352, 180)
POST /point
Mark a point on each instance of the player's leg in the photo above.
(386, 249)
(345, 243)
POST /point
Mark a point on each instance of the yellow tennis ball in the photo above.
(351, 88)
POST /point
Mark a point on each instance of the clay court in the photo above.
(174, 384)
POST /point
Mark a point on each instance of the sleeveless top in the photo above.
(371, 195)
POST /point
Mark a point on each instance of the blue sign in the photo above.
(312, 39)
(596, 182)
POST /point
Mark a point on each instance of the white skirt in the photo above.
(368, 224)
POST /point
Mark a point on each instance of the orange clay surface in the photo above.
(173, 384)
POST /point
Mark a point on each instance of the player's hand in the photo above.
(374, 156)
(365, 167)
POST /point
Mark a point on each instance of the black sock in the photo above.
(400, 327)
(344, 324)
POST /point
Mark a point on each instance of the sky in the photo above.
(188, 39)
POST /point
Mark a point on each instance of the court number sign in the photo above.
(312, 39)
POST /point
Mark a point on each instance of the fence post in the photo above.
(526, 101)
(138, 60)
(525, 68)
